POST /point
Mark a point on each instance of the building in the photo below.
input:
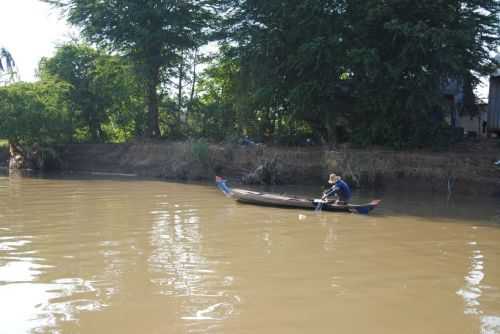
(476, 126)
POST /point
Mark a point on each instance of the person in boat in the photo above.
(339, 189)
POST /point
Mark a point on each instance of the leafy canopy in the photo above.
(151, 32)
(103, 88)
(377, 67)
(35, 113)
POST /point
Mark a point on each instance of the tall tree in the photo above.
(378, 64)
(76, 65)
(151, 32)
(217, 113)
(182, 85)
(101, 85)
(401, 53)
(291, 58)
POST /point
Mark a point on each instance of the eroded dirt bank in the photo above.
(458, 172)
(4, 157)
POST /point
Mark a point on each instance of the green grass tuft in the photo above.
(4, 143)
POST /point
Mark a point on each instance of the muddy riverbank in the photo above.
(463, 172)
(4, 157)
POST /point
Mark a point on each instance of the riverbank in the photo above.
(4, 156)
(462, 171)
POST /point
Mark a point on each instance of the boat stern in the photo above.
(365, 209)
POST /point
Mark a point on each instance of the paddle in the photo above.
(323, 200)
(319, 205)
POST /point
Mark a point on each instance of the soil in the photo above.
(466, 168)
(4, 157)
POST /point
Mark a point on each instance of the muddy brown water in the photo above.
(136, 256)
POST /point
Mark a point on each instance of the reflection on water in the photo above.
(29, 305)
(178, 268)
(473, 290)
(131, 256)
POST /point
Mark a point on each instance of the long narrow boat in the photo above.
(275, 200)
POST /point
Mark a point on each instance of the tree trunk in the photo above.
(193, 84)
(16, 155)
(179, 86)
(94, 128)
(153, 128)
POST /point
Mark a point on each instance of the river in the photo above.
(97, 255)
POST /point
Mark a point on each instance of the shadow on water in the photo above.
(399, 202)
(435, 206)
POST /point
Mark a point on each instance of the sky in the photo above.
(30, 30)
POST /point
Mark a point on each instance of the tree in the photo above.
(152, 33)
(377, 65)
(180, 100)
(291, 57)
(402, 52)
(76, 65)
(102, 88)
(35, 113)
(215, 112)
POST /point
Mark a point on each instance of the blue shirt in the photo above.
(342, 190)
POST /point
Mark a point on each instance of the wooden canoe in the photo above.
(292, 202)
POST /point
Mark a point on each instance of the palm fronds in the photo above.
(8, 69)
(7, 62)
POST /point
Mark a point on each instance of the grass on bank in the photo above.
(4, 143)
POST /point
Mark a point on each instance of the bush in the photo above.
(35, 113)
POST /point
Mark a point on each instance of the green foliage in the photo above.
(36, 113)
(378, 68)
(288, 72)
(403, 55)
(292, 65)
(4, 143)
(76, 65)
(216, 113)
(152, 33)
(105, 97)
